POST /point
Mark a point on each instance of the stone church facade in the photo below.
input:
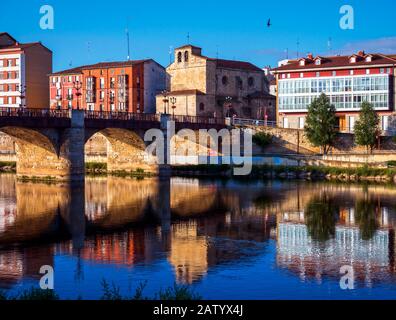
(202, 86)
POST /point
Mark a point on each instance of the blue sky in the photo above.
(93, 31)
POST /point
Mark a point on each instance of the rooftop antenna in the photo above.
(70, 63)
(329, 45)
(298, 47)
(217, 52)
(188, 38)
(170, 54)
(287, 53)
(89, 51)
(128, 41)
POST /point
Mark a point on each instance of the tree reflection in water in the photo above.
(366, 218)
(321, 215)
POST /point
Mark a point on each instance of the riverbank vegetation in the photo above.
(110, 292)
(363, 173)
(7, 166)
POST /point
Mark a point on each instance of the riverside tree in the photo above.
(321, 123)
(367, 127)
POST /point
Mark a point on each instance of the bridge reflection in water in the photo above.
(197, 226)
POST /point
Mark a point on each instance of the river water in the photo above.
(226, 239)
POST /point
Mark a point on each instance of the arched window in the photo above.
(186, 56)
(201, 106)
(251, 81)
(224, 80)
(179, 57)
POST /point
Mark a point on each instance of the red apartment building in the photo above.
(347, 80)
(126, 86)
(24, 69)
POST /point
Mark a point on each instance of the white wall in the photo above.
(154, 83)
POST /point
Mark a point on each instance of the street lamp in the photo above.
(165, 100)
(228, 104)
(22, 95)
(173, 101)
(77, 86)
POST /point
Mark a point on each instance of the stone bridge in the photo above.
(50, 143)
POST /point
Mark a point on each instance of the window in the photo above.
(288, 75)
(224, 80)
(251, 81)
(351, 123)
(318, 74)
(352, 60)
(179, 57)
(301, 75)
(9, 63)
(369, 59)
(301, 122)
(382, 70)
(186, 56)
(1, 100)
(16, 74)
(16, 62)
(334, 73)
(1, 63)
(201, 106)
(385, 123)
(318, 62)
(239, 83)
(351, 72)
(102, 83)
(367, 71)
(70, 79)
(302, 62)
(9, 100)
(9, 75)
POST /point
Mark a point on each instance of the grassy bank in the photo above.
(292, 172)
(6, 166)
(110, 292)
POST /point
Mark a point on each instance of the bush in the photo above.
(112, 293)
(262, 139)
(96, 166)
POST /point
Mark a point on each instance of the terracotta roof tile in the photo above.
(338, 61)
(234, 64)
(102, 65)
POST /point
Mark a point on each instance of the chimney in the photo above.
(310, 56)
(361, 53)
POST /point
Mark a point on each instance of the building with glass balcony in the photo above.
(346, 80)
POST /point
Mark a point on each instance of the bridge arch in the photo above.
(125, 149)
(44, 153)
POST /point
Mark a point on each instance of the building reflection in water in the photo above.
(361, 236)
(210, 225)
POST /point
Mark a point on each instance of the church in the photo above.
(203, 86)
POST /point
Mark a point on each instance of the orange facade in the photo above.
(101, 87)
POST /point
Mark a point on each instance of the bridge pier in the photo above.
(164, 169)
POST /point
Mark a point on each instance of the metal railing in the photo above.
(106, 115)
(253, 122)
(33, 113)
(198, 119)
(112, 115)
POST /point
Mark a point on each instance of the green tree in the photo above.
(321, 123)
(367, 127)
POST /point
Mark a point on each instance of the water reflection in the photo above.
(198, 228)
